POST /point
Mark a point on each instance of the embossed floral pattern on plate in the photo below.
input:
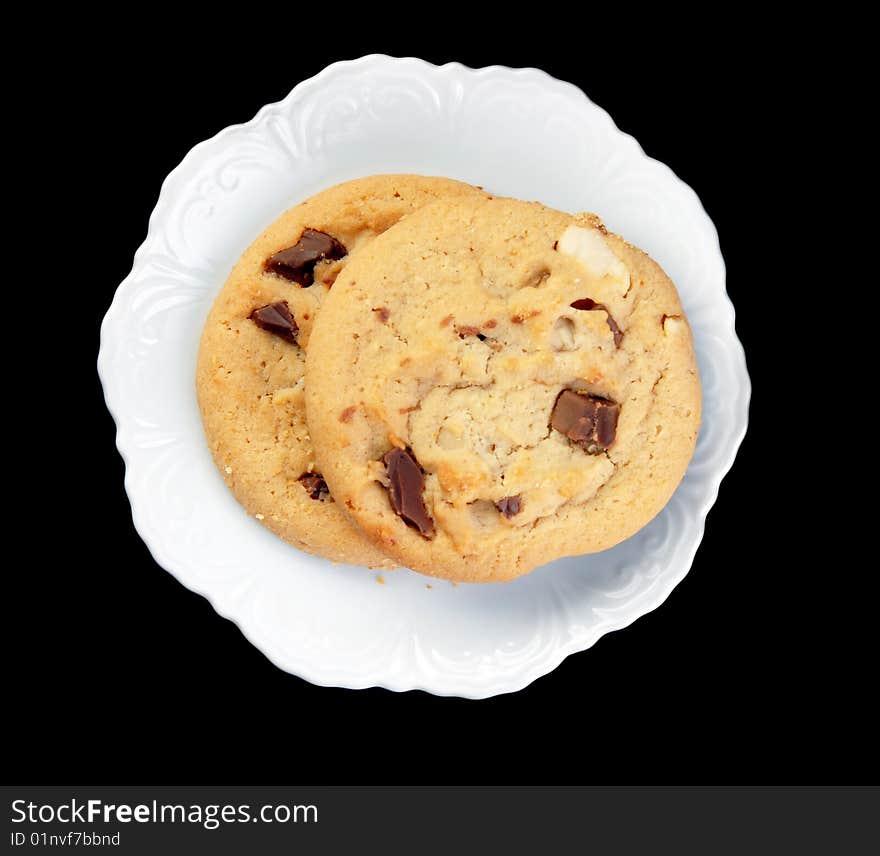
(516, 132)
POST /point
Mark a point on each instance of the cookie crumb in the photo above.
(464, 332)
(518, 319)
(380, 579)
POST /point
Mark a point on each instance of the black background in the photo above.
(116, 673)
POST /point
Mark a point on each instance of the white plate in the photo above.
(518, 133)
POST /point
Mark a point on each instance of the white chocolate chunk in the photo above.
(674, 325)
(590, 249)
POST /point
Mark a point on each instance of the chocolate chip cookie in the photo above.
(250, 377)
(494, 384)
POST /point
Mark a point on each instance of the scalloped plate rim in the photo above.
(306, 671)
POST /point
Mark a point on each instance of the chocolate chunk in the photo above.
(510, 505)
(586, 303)
(406, 485)
(588, 420)
(615, 330)
(276, 318)
(315, 486)
(297, 263)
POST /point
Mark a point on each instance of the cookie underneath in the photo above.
(250, 377)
